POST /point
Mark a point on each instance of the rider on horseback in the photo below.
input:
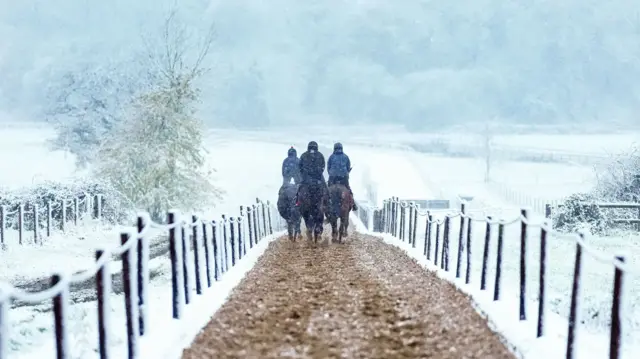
(339, 166)
(312, 166)
(291, 167)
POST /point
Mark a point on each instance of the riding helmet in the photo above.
(337, 146)
(313, 145)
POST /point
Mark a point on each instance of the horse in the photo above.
(288, 209)
(340, 204)
(312, 199)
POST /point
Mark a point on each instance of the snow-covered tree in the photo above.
(85, 104)
(156, 156)
(619, 180)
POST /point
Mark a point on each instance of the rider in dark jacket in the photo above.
(311, 166)
(291, 167)
(339, 166)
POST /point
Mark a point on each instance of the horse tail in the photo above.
(347, 202)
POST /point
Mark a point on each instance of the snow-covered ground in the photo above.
(249, 167)
(448, 177)
(245, 169)
(238, 164)
(511, 183)
(26, 158)
(598, 145)
(32, 333)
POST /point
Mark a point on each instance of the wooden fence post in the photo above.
(249, 212)
(143, 276)
(541, 280)
(485, 255)
(496, 288)
(129, 279)
(573, 307)
(49, 219)
(225, 250)
(3, 211)
(60, 306)
(36, 223)
(460, 239)
(269, 217)
(216, 256)
(185, 264)
(207, 253)
(63, 220)
(523, 264)
(20, 222)
(176, 276)
(76, 210)
(232, 240)
(614, 337)
(103, 292)
(196, 253)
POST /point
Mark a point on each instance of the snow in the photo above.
(32, 332)
(451, 176)
(31, 327)
(178, 335)
(512, 183)
(250, 166)
(74, 249)
(401, 178)
(70, 251)
(28, 146)
(503, 318)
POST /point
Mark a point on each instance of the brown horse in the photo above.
(288, 209)
(312, 198)
(340, 204)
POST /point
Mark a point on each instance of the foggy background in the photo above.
(424, 64)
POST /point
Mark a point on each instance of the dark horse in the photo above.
(340, 204)
(312, 198)
(288, 209)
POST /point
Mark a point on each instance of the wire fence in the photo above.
(29, 219)
(400, 219)
(201, 251)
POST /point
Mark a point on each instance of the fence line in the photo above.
(537, 204)
(77, 208)
(392, 219)
(223, 241)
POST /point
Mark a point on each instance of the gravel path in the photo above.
(362, 299)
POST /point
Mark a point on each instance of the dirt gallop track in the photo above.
(362, 299)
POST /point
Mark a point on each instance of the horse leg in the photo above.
(319, 228)
(296, 228)
(290, 230)
(318, 232)
(307, 223)
(345, 224)
(334, 229)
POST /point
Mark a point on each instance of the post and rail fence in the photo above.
(32, 223)
(549, 208)
(400, 220)
(201, 251)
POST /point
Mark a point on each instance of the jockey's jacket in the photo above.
(338, 165)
